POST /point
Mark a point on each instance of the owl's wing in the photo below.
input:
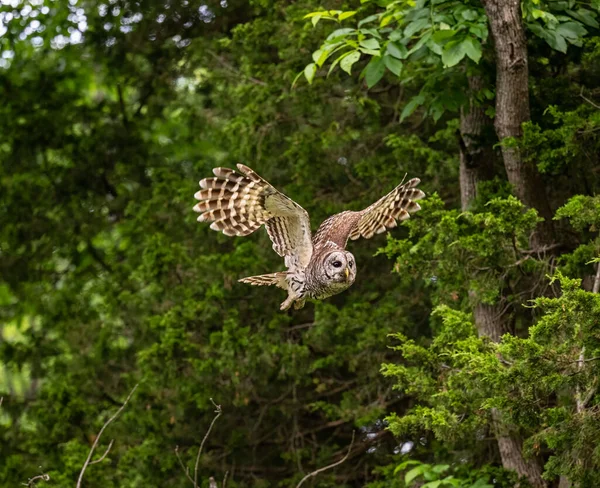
(239, 203)
(375, 219)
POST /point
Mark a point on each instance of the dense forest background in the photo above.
(467, 352)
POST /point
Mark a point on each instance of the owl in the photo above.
(238, 203)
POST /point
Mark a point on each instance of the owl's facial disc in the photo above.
(340, 267)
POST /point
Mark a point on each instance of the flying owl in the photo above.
(238, 203)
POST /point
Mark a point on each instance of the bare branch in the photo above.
(40, 477)
(185, 470)
(320, 470)
(225, 479)
(106, 424)
(105, 453)
(588, 100)
(218, 411)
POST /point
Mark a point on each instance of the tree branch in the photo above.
(106, 424)
(320, 470)
(105, 453)
(218, 411)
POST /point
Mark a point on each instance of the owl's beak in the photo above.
(347, 273)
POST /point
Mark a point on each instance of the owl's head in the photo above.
(340, 267)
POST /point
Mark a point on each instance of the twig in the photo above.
(1, 400)
(588, 100)
(40, 477)
(105, 453)
(218, 411)
(106, 424)
(320, 470)
(225, 479)
(185, 470)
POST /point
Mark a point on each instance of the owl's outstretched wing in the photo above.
(239, 203)
(384, 214)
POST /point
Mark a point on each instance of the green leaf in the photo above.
(340, 33)
(309, 72)
(397, 50)
(370, 44)
(346, 15)
(315, 20)
(368, 19)
(297, 78)
(472, 47)
(586, 16)
(374, 71)
(393, 64)
(348, 60)
(432, 484)
(411, 106)
(453, 53)
(571, 30)
(413, 473)
(415, 26)
(317, 55)
(469, 14)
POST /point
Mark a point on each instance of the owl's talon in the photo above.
(287, 303)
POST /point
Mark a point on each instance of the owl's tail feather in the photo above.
(277, 279)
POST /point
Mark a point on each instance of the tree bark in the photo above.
(512, 109)
(476, 155)
(476, 165)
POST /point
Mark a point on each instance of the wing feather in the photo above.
(384, 214)
(239, 203)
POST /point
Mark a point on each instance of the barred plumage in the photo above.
(239, 203)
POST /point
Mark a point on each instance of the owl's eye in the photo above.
(351, 264)
(337, 264)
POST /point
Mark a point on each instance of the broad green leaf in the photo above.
(348, 60)
(317, 55)
(346, 15)
(315, 20)
(411, 106)
(415, 26)
(368, 19)
(393, 64)
(396, 35)
(309, 72)
(443, 35)
(372, 32)
(479, 30)
(416, 471)
(374, 71)
(469, 14)
(472, 47)
(370, 52)
(432, 484)
(453, 53)
(370, 43)
(571, 30)
(586, 16)
(440, 468)
(341, 33)
(397, 50)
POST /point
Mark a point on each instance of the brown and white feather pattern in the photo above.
(239, 203)
(375, 219)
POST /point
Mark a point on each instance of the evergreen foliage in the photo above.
(111, 112)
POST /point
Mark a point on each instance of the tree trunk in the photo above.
(476, 164)
(476, 155)
(512, 109)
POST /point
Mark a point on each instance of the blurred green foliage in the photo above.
(111, 112)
